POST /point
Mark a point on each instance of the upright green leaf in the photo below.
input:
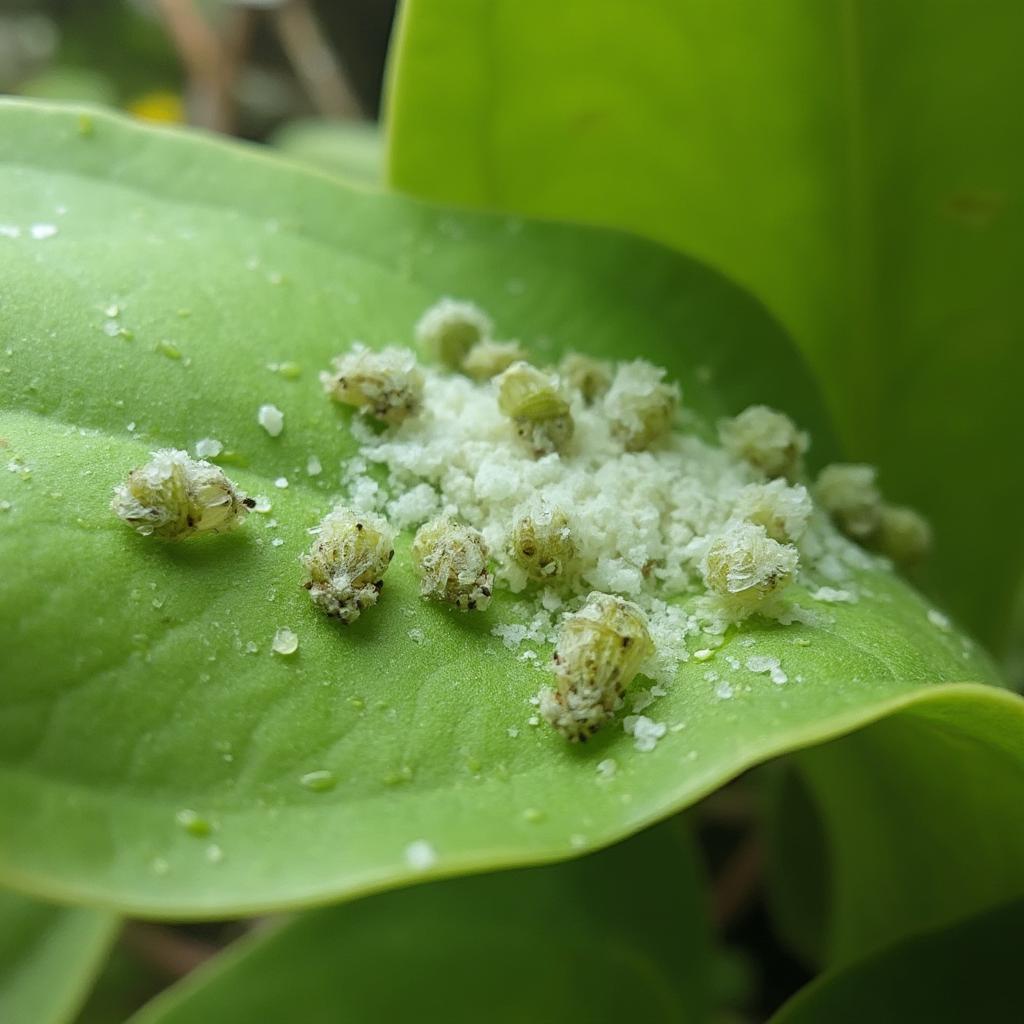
(964, 972)
(857, 163)
(619, 934)
(137, 678)
(48, 958)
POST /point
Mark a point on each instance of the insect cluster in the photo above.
(745, 563)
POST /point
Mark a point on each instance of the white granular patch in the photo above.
(208, 448)
(833, 595)
(607, 769)
(271, 419)
(762, 664)
(420, 855)
(285, 642)
(937, 619)
(644, 731)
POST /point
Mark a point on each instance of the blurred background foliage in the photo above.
(304, 76)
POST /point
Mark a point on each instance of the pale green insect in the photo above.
(640, 405)
(537, 406)
(451, 559)
(346, 563)
(590, 377)
(902, 535)
(487, 358)
(850, 495)
(542, 544)
(743, 567)
(387, 385)
(174, 496)
(450, 328)
(767, 439)
(782, 510)
(599, 651)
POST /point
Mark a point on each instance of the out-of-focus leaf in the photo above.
(858, 165)
(967, 971)
(618, 935)
(351, 149)
(49, 956)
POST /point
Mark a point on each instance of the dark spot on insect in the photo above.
(190, 521)
(529, 550)
(359, 526)
(486, 591)
(378, 586)
(391, 554)
(471, 604)
(249, 502)
(626, 641)
(308, 585)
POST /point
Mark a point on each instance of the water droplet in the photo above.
(285, 641)
(192, 822)
(420, 855)
(319, 781)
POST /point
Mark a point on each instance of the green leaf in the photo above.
(923, 818)
(967, 971)
(48, 958)
(857, 165)
(619, 934)
(129, 692)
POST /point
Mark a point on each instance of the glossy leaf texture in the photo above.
(49, 956)
(856, 164)
(621, 933)
(152, 748)
(966, 971)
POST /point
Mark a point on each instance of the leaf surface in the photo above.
(131, 691)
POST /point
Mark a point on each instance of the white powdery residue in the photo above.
(512, 732)
(276, 542)
(208, 448)
(732, 661)
(940, 621)
(10, 231)
(511, 634)
(764, 664)
(528, 656)
(723, 691)
(262, 505)
(271, 419)
(313, 466)
(416, 635)
(606, 769)
(833, 595)
(420, 855)
(413, 508)
(281, 482)
(644, 731)
(704, 654)
(41, 231)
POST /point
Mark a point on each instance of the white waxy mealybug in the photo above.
(487, 358)
(640, 405)
(537, 406)
(590, 377)
(743, 567)
(767, 439)
(174, 496)
(599, 651)
(451, 559)
(902, 535)
(346, 563)
(850, 495)
(542, 544)
(387, 385)
(450, 328)
(782, 510)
